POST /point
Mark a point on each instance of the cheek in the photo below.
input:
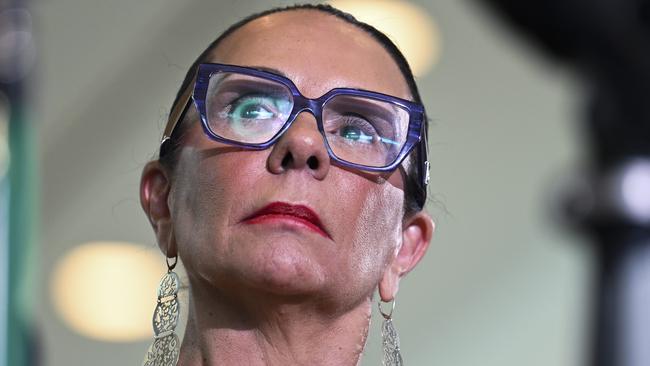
(377, 232)
(204, 207)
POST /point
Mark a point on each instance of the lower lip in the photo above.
(286, 218)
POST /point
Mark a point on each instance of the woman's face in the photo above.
(217, 187)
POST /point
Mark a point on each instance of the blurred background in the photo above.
(502, 283)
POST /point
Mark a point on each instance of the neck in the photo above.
(267, 330)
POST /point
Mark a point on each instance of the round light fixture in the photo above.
(408, 25)
(635, 190)
(107, 290)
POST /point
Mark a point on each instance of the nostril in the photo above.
(312, 162)
(287, 160)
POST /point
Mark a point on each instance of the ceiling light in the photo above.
(107, 290)
(408, 25)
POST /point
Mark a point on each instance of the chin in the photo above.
(286, 267)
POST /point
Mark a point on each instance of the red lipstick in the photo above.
(285, 211)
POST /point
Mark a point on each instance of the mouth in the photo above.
(296, 214)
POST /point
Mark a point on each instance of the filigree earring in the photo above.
(390, 339)
(165, 349)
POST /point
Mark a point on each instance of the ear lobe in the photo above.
(154, 193)
(416, 236)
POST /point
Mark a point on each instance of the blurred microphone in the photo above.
(607, 43)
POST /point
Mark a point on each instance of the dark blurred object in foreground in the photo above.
(607, 42)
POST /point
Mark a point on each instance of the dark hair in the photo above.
(414, 189)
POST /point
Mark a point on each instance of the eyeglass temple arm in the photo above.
(178, 111)
(425, 152)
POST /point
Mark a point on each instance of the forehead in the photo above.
(317, 51)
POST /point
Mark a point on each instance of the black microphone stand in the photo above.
(607, 42)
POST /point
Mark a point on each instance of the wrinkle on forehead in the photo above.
(317, 51)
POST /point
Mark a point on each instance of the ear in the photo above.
(154, 193)
(416, 236)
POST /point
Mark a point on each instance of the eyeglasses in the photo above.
(252, 108)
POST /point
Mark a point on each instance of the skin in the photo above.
(277, 293)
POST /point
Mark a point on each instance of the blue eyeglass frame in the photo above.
(416, 134)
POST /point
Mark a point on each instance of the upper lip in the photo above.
(284, 208)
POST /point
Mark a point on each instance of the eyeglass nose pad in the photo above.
(310, 106)
(307, 105)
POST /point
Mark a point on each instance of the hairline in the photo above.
(211, 56)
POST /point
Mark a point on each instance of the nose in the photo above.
(301, 147)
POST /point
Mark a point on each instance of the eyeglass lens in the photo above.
(252, 110)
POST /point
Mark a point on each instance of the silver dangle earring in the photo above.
(165, 349)
(390, 339)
